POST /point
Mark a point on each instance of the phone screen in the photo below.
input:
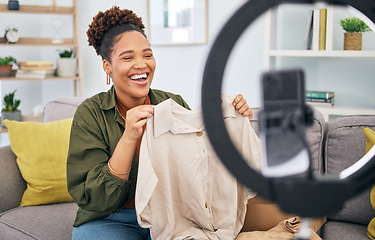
(284, 152)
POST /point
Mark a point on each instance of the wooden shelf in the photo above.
(38, 42)
(39, 79)
(38, 9)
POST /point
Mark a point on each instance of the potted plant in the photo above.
(6, 66)
(13, 5)
(10, 111)
(353, 27)
(66, 64)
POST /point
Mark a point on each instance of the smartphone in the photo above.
(284, 150)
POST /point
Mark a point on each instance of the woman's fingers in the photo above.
(242, 107)
(140, 112)
(136, 118)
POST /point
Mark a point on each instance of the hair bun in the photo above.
(102, 22)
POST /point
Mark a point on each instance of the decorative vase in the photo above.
(13, 5)
(66, 67)
(6, 71)
(14, 116)
(353, 41)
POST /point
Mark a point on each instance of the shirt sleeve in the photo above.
(90, 183)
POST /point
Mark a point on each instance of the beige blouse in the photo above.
(183, 189)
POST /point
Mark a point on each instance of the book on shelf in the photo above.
(316, 30)
(34, 73)
(322, 28)
(309, 31)
(35, 64)
(321, 104)
(316, 26)
(37, 67)
(323, 100)
(319, 94)
(327, 99)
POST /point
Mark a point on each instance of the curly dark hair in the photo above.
(106, 26)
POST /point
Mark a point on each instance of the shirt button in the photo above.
(199, 134)
(206, 205)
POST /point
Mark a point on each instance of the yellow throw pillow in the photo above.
(42, 151)
(370, 141)
(370, 138)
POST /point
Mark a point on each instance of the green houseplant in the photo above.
(66, 64)
(6, 66)
(10, 110)
(353, 27)
(66, 53)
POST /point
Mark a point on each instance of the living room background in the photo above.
(180, 68)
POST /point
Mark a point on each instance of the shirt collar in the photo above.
(164, 120)
(109, 100)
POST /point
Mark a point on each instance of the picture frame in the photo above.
(176, 22)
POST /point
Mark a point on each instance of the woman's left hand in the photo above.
(242, 107)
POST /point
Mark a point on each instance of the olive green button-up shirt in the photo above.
(96, 129)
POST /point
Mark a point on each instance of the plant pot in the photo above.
(13, 5)
(14, 116)
(66, 67)
(353, 41)
(5, 71)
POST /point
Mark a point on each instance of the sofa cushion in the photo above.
(41, 150)
(12, 184)
(333, 230)
(61, 108)
(315, 138)
(54, 221)
(345, 144)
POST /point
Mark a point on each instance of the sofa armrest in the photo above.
(12, 185)
(61, 108)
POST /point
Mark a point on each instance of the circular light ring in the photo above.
(213, 116)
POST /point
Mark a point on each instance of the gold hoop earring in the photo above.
(108, 78)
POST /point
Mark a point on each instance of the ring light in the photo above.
(313, 196)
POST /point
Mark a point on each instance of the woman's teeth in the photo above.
(138, 77)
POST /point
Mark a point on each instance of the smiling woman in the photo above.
(103, 154)
(131, 66)
(107, 130)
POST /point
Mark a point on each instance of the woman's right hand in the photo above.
(122, 157)
(136, 118)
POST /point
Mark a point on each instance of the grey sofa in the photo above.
(334, 145)
(344, 144)
(53, 221)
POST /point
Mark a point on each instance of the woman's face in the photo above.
(132, 66)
